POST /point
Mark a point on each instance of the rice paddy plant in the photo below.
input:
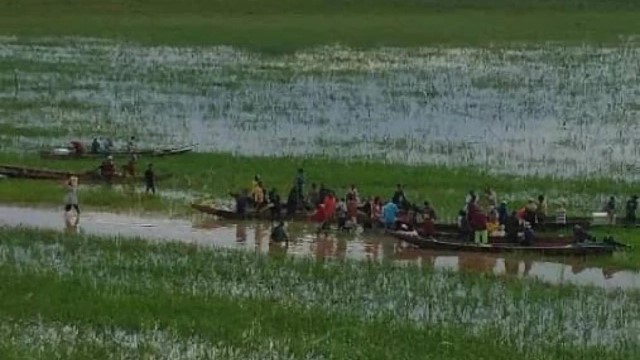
(184, 290)
(544, 109)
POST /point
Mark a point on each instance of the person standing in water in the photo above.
(150, 180)
(71, 199)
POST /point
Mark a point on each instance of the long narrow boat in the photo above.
(65, 153)
(22, 172)
(544, 249)
(250, 215)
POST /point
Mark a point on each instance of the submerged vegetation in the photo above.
(97, 296)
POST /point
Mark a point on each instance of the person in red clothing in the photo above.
(428, 228)
(478, 222)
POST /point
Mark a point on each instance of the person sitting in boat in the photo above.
(276, 205)
(77, 147)
(503, 213)
(428, 227)
(299, 184)
(242, 202)
(95, 146)
(493, 224)
(429, 211)
(512, 227)
(528, 235)
(376, 211)
(499, 233)
(580, 235)
(279, 233)
(390, 214)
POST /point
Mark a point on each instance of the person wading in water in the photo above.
(71, 201)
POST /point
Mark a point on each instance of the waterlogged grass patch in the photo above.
(546, 109)
(524, 316)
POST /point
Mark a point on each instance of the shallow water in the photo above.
(552, 109)
(363, 246)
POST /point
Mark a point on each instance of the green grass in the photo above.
(283, 26)
(52, 284)
(216, 174)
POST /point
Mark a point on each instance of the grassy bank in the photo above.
(282, 26)
(90, 297)
(216, 174)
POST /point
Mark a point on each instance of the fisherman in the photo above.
(610, 209)
(632, 207)
(390, 213)
(71, 198)
(279, 233)
(276, 205)
(78, 147)
(150, 180)
(95, 146)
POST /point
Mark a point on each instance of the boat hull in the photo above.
(542, 249)
(250, 215)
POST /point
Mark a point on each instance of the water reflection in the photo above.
(304, 242)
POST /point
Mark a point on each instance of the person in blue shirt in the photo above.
(389, 214)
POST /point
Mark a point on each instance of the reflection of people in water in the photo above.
(511, 266)
(480, 263)
(241, 233)
(341, 248)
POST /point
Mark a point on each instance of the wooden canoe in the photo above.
(264, 215)
(51, 154)
(543, 249)
(22, 172)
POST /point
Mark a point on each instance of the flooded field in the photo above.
(548, 109)
(363, 246)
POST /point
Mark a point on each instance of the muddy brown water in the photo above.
(204, 230)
